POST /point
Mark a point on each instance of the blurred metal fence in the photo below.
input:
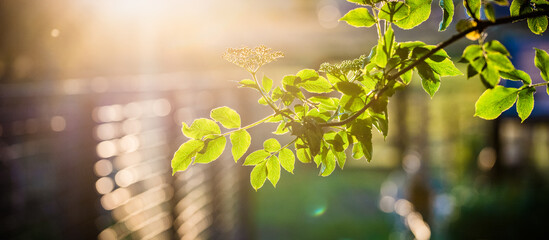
(85, 159)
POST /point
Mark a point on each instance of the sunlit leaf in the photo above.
(200, 128)
(516, 75)
(362, 131)
(307, 75)
(258, 175)
(273, 170)
(328, 164)
(394, 11)
(271, 145)
(489, 12)
(496, 46)
(359, 17)
(472, 52)
(429, 79)
(228, 117)
(542, 63)
(248, 83)
(320, 85)
(420, 10)
(256, 157)
(465, 24)
(240, 141)
(490, 75)
(287, 159)
(267, 84)
(214, 148)
(349, 88)
(494, 101)
(183, 156)
(525, 102)
(447, 13)
(474, 6)
(500, 61)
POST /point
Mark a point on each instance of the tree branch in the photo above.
(480, 27)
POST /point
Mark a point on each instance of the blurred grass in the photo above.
(306, 206)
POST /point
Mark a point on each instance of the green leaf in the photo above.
(351, 103)
(362, 2)
(271, 145)
(429, 79)
(273, 170)
(256, 157)
(489, 12)
(494, 101)
(307, 75)
(394, 11)
(302, 152)
(517, 75)
(281, 129)
(525, 102)
(267, 84)
(214, 148)
(444, 68)
(448, 14)
(542, 63)
(496, 46)
(500, 62)
(200, 127)
(287, 159)
(362, 131)
(229, 118)
(490, 75)
(419, 12)
(240, 141)
(357, 151)
(359, 17)
(537, 25)
(474, 5)
(320, 85)
(472, 52)
(518, 7)
(248, 83)
(380, 121)
(328, 164)
(258, 176)
(183, 157)
(325, 103)
(349, 88)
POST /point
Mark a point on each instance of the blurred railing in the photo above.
(88, 159)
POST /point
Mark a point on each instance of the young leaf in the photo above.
(494, 101)
(419, 12)
(258, 176)
(287, 159)
(200, 128)
(256, 157)
(465, 24)
(214, 148)
(542, 63)
(281, 129)
(448, 14)
(537, 25)
(240, 141)
(357, 151)
(271, 145)
(359, 17)
(394, 11)
(273, 170)
(517, 75)
(525, 102)
(229, 118)
(183, 157)
(267, 84)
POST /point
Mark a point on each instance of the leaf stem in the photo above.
(269, 100)
(539, 84)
